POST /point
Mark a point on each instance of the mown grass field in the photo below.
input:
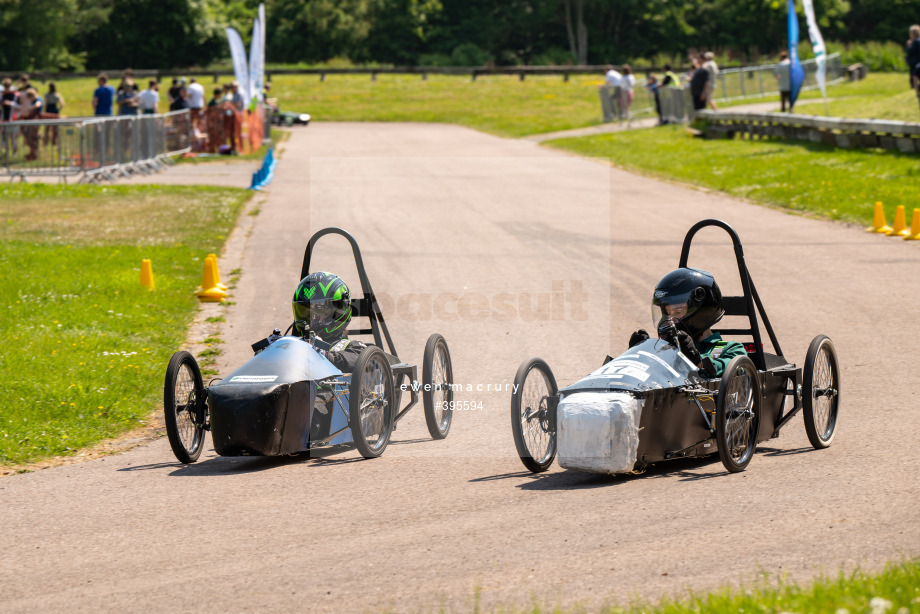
(834, 183)
(503, 105)
(86, 344)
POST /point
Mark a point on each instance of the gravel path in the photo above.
(509, 250)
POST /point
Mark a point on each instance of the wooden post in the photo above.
(565, 77)
(322, 76)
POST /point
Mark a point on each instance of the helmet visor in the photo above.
(675, 307)
(317, 313)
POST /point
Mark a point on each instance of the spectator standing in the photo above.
(218, 97)
(149, 100)
(127, 96)
(610, 94)
(7, 98)
(652, 84)
(54, 102)
(236, 97)
(698, 84)
(913, 56)
(195, 100)
(103, 97)
(173, 92)
(23, 83)
(709, 63)
(782, 72)
(627, 93)
(180, 101)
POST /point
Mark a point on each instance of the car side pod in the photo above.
(264, 408)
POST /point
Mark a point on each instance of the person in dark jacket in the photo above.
(322, 304)
(698, 84)
(685, 305)
(913, 56)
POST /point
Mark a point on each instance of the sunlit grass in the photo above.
(500, 104)
(840, 184)
(86, 344)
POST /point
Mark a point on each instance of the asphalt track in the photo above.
(509, 249)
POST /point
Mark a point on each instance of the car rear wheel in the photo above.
(437, 382)
(533, 414)
(184, 407)
(738, 414)
(371, 402)
(821, 392)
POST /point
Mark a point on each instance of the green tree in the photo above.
(34, 34)
(317, 30)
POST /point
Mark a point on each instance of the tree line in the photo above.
(96, 34)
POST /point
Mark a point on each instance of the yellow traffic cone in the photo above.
(213, 259)
(147, 273)
(879, 224)
(209, 291)
(914, 233)
(900, 223)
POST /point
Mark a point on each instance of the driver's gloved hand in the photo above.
(638, 337)
(685, 342)
(667, 330)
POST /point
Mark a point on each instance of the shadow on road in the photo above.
(685, 470)
(781, 452)
(234, 465)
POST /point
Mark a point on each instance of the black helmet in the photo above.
(322, 302)
(694, 299)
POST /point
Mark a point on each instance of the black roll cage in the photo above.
(367, 305)
(748, 305)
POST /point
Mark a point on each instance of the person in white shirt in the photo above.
(627, 83)
(195, 93)
(610, 94)
(149, 99)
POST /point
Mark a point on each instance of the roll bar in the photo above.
(749, 304)
(365, 306)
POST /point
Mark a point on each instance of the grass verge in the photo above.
(839, 184)
(86, 343)
(896, 589)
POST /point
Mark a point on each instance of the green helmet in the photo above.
(322, 302)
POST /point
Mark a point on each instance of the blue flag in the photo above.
(796, 72)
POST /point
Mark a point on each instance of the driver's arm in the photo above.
(722, 354)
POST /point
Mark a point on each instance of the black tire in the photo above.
(532, 421)
(371, 402)
(738, 414)
(437, 391)
(184, 407)
(821, 392)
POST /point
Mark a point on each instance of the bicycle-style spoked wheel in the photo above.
(437, 382)
(371, 403)
(821, 392)
(533, 414)
(184, 407)
(738, 414)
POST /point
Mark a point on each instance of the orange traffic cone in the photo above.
(878, 224)
(914, 234)
(213, 258)
(147, 273)
(209, 292)
(900, 223)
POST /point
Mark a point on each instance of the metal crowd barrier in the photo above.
(93, 148)
(742, 83)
